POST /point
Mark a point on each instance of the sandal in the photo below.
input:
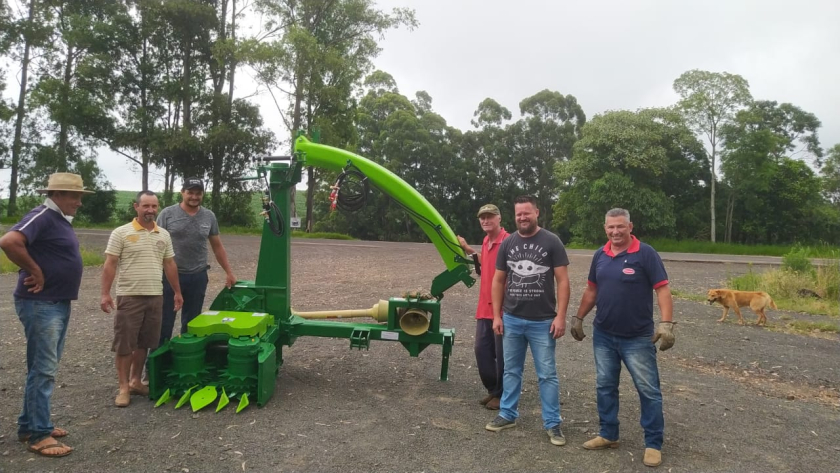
(57, 432)
(40, 450)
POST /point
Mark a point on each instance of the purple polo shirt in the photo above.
(625, 284)
(52, 243)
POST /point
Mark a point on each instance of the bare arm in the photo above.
(561, 276)
(497, 295)
(109, 272)
(14, 245)
(221, 257)
(170, 269)
(666, 303)
(587, 301)
(468, 249)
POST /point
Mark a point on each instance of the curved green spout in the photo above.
(438, 231)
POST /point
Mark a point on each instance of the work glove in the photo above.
(577, 329)
(664, 332)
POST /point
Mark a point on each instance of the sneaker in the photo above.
(555, 435)
(500, 423)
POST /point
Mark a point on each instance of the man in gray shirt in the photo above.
(191, 226)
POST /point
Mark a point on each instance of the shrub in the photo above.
(796, 260)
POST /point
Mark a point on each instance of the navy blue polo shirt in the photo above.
(52, 243)
(625, 284)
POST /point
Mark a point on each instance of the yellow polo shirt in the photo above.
(141, 253)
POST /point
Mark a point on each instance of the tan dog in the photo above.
(758, 301)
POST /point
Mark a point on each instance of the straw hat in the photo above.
(65, 181)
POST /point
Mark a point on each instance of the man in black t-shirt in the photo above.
(533, 281)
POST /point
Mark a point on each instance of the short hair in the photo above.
(142, 193)
(526, 199)
(617, 212)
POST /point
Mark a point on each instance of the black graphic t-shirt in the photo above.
(530, 289)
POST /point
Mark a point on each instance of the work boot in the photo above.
(500, 423)
(653, 457)
(493, 404)
(486, 399)
(600, 443)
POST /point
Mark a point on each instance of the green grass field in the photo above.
(125, 198)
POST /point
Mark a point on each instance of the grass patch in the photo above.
(89, 258)
(688, 295)
(295, 233)
(784, 286)
(323, 235)
(803, 326)
(691, 246)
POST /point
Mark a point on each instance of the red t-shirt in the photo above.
(489, 251)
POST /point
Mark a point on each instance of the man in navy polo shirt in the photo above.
(622, 278)
(44, 245)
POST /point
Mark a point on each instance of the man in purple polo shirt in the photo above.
(489, 356)
(44, 245)
(622, 279)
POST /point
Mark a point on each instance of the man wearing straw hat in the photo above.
(44, 245)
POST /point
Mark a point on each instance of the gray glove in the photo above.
(577, 329)
(664, 332)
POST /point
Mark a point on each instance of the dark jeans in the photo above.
(193, 287)
(45, 327)
(639, 356)
(489, 356)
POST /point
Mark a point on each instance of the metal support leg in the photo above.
(448, 340)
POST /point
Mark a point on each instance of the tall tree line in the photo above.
(156, 82)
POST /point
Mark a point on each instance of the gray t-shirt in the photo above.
(530, 289)
(189, 236)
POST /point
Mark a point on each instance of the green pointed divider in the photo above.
(185, 397)
(164, 398)
(203, 398)
(223, 401)
(243, 403)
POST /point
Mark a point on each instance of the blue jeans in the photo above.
(193, 287)
(519, 333)
(45, 325)
(639, 356)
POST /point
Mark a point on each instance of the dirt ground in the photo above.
(737, 398)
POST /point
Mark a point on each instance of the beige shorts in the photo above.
(137, 323)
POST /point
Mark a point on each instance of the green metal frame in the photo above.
(237, 345)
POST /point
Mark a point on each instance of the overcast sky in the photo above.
(609, 54)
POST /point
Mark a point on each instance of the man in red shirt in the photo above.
(488, 345)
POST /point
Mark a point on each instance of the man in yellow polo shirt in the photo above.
(141, 250)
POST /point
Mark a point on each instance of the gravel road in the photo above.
(737, 398)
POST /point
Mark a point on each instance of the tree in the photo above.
(709, 100)
(551, 124)
(648, 162)
(831, 174)
(33, 34)
(755, 143)
(325, 50)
